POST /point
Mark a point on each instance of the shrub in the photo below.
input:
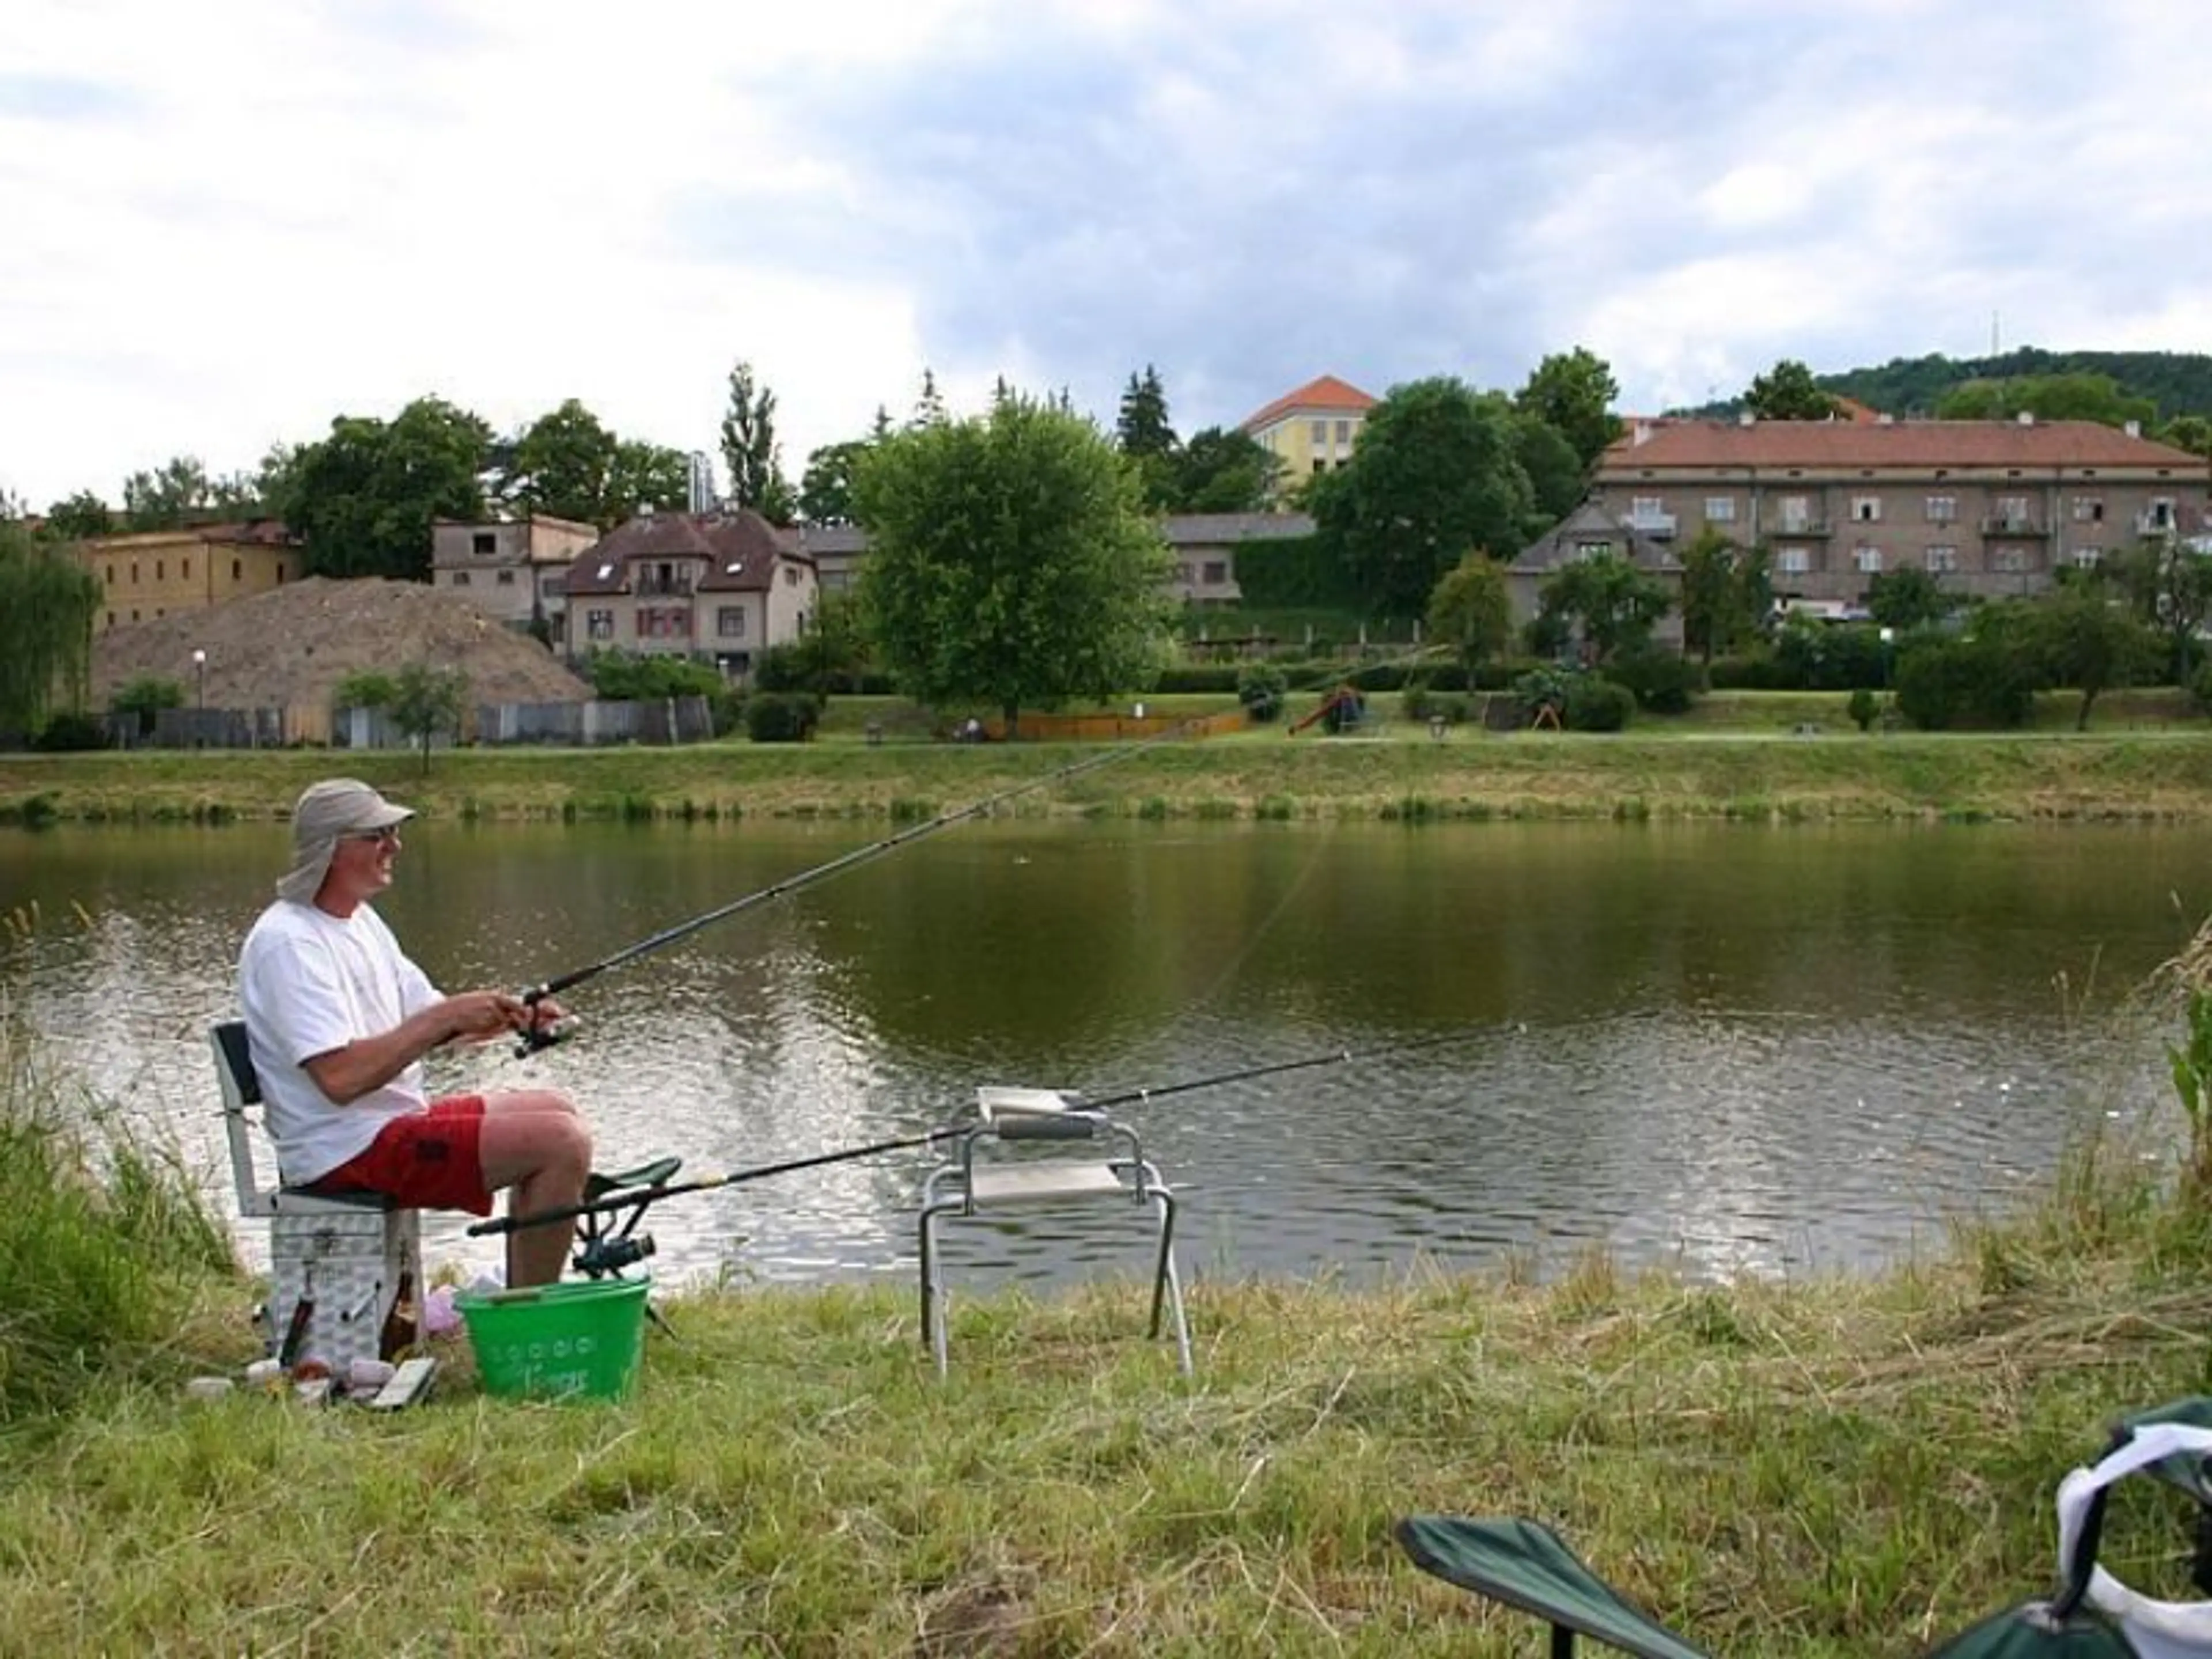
(1662, 681)
(2199, 688)
(146, 698)
(1944, 682)
(1861, 708)
(1598, 705)
(370, 689)
(1261, 687)
(69, 732)
(1540, 688)
(782, 716)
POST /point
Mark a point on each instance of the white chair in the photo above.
(339, 1266)
(981, 1181)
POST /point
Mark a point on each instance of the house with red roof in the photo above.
(1991, 508)
(1311, 430)
(719, 586)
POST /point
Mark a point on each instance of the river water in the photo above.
(1727, 1048)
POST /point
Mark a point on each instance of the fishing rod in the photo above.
(537, 1036)
(603, 1250)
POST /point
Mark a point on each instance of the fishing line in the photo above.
(539, 1037)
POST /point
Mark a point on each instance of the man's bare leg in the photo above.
(535, 1147)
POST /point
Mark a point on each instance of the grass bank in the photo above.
(1807, 1470)
(1741, 759)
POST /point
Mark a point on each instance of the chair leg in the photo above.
(1167, 1284)
(934, 1331)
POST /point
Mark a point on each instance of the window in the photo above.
(1344, 435)
(1796, 511)
(134, 573)
(505, 578)
(1320, 433)
(599, 624)
(1319, 465)
(187, 569)
(1593, 550)
(791, 575)
(160, 570)
(1866, 509)
(111, 619)
(111, 576)
(1216, 573)
(1188, 573)
(1793, 561)
(237, 571)
(1866, 558)
(2087, 558)
(2013, 561)
(1937, 560)
(2012, 510)
(1942, 509)
(1648, 506)
(483, 542)
(549, 586)
(1720, 509)
(460, 579)
(730, 622)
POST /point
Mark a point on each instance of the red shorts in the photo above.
(429, 1161)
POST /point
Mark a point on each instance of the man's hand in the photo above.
(478, 1015)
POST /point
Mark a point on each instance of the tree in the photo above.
(2169, 587)
(751, 453)
(825, 492)
(1434, 477)
(1224, 471)
(1470, 612)
(830, 656)
(363, 498)
(145, 698)
(1556, 479)
(1725, 594)
(2085, 641)
(1011, 563)
(76, 517)
(168, 497)
(563, 464)
(2190, 432)
(1613, 603)
(1908, 598)
(1573, 393)
(1787, 392)
(426, 701)
(2068, 396)
(47, 603)
(646, 475)
(1147, 438)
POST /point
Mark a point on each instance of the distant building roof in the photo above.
(741, 551)
(1213, 529)
(246, 533)
(1851, 443)
(1562, 543)
(1328, 392)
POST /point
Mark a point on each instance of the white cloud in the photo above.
(227, 224)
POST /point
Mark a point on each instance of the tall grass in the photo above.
(105, 1239)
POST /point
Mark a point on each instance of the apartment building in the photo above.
(1311, 430)
(722, 586)
(513, 569)
(160, 573)
(1992, 508)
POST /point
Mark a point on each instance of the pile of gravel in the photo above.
(294, 644)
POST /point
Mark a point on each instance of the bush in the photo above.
(69, 732)
(367, 690)
(1598, 705)
(1261, 687)
(1662, 681)
(1944, 682)
(619, 677)
(2199, 688)
(146, 698)
(1540, 688)
(1861, 708)
(782, 716)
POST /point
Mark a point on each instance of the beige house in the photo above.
(159, 572)
(719, 586)
(513, 569)
(1204, 546)
(1311, 430)
(835, 548)
(1991, 508)
(1587, 533)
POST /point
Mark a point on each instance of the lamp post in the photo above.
(1888, 639)
(199, 670)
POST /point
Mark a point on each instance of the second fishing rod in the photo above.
(537, 1036)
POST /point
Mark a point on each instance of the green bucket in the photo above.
(582, 1339)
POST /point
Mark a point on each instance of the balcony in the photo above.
(2014, 525)
(1645, 521)
(1801, 530)
(663, 587)
(2157, 521)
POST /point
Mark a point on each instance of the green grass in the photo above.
(1809, 1469)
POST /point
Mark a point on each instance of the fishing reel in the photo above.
(607, 1239)
(604, 1257)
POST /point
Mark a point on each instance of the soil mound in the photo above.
(294, 644)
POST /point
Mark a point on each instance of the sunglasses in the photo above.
(388, 836)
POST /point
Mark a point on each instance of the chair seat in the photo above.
(1042, 1183)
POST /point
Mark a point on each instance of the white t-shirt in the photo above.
(310, 983)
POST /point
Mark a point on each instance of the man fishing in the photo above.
(338, 1020)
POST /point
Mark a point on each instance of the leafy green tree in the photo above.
(1011, 563)
(145, 698)
(1725, 594)
(363, 498)
(1556, 478)
(830, 656)
(751, 453)
(1434, 477)
(563, 464)
(372, 688)
(1470, 612)
(1787, 392)
(76, 517)
(170, 496)
(825, 492)
(1573, 393)
(1908, 598)
(646, 475)
(2068, 396)
(47, 603)
(1224, 471)
(2169, 587)
(627, 677)
(426, 701)
(1614, 605)
(2086, 642)
(2190, 432)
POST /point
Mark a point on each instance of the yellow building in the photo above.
(159, 572)
(1312, 430)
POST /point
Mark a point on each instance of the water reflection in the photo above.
(1731, 1049)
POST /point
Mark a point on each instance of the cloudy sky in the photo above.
(223, 224)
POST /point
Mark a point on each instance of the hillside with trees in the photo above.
(2174, 382)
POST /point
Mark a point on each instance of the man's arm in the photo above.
(368, 1063)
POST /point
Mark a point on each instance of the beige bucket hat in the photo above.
(325, 811)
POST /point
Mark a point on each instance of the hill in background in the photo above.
(2177, 382)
